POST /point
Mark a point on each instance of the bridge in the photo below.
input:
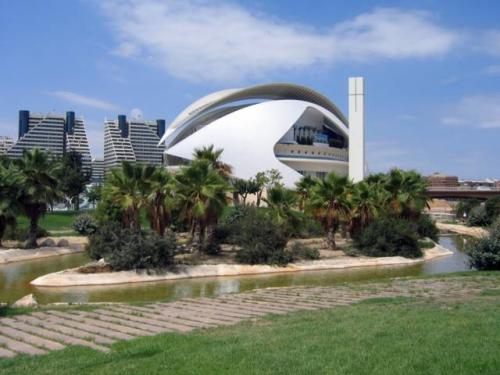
(463, 192)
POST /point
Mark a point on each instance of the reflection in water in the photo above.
(15, 278)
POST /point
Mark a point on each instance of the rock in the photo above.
(48, 242)
(26, 301)
(63, 242)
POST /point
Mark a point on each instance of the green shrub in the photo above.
(484, 252)
(426, 227)
(14, 233)
(262, 241)
(492, 207)
(126, 250)
(259, 253)
(426, 244)
(465, 206)
(300, 251)
(478, 217)
(309, 228)
(85, 224)
(389, 237)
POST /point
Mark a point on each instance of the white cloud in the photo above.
(482, 111)
(217, 41)
(87, 101)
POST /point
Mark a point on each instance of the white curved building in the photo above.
(280, 126)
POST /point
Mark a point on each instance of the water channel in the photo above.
(15, 279)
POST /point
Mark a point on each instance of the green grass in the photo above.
(58, 221)
(411, 337)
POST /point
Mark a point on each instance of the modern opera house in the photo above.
(282, 126)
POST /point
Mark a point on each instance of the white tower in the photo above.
(356, 128)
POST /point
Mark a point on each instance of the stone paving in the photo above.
(47, 330)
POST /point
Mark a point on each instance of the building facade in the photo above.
(97, 177)
(134, 141)
(54, 133)
(5, 144)
(282, 126)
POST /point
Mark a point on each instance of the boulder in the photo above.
(63, 242)
(26, 301)
(48, 242)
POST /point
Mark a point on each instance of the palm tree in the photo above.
(329, 203)
(159, 200)
(408, 193)
(281, 202)
(201, 195)
(39, 187)
(128, 187)
(214, 157)
(10, 186)
(366, 201)
(303, 189)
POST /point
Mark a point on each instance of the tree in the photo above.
(39, 187)
(201, 194)
(72, 178)
(365, 202)
(492, 207)
(408, 193)
(303, 189)
(10, 186)
(245, 187)
(214, 157)
(281, 202)
(329, 203)
(159, 201)
(267, 180)
(94, 195)
(128, 187)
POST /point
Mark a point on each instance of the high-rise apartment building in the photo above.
(97, 177)
(135, 140)
(5, 144)
(55, 133)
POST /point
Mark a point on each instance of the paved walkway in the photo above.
(44, 331)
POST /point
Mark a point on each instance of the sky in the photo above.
(431, 67)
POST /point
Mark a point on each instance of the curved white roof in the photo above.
(270, 91)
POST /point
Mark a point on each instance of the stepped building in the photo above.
(135, 141)
(55, 133)
(5, 144)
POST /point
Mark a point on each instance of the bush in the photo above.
(484, 252)
(478, 217)
(465, 206)
(389, 237)
(262, 241)
(15, 233)
(492, 207)
(85, 224)
(300, 251)
(309, 228)
(426, 227)
(126, 250)
(426, 244)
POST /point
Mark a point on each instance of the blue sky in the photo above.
(432, 68)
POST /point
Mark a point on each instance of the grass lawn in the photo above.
(382, 336)
(57, 221)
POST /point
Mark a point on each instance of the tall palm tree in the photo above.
(408, 193)
(201, 195)
(128, 187)
(329, 203)
(10, 186)
(303, 188)
(159, 200)
(366, 200)
(281, 202)
(39, 188)
(214, 157)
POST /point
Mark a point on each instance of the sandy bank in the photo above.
(71, 277)
(462, 229)
(19, 255)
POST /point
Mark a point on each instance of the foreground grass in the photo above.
(392, 336)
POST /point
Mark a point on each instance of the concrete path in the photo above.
(48, 330)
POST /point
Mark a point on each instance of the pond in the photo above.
(15, 279)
